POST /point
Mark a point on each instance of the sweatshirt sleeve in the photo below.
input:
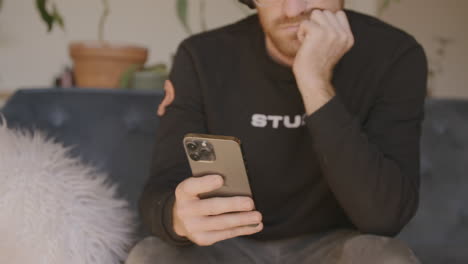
(373, 168)
(169, 163)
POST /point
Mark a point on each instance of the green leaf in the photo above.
(182, 14)
(50, 18)
(127, 76)
(385, 4)
(58, 17)
(46, 17)
(159, 68)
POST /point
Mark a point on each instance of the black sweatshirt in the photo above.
(354, 163)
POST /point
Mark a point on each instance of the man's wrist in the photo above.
(313, 76)
(315, 94)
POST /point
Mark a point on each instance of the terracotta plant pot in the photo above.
(101, 65)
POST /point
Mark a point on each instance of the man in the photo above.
(328, 105)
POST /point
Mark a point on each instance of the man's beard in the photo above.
(287, 43)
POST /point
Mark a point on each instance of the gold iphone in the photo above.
(222, 155)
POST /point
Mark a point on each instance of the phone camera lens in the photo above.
(204, 151)
(195, 156)
(191, 146)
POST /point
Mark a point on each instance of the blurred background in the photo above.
(113, 130)
(32, 57)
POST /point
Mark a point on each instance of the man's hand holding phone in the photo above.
(208, 221)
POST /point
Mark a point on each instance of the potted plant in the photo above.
(97, 64)
(102, 64)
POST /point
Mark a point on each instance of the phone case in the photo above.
(218, 155)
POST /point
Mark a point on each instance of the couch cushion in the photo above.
(439, 231)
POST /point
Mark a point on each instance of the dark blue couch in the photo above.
(114, 130)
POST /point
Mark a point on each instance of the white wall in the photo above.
(366, 6)
(428, 21)
(29, 57)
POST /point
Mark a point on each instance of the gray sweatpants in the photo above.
(337, 247)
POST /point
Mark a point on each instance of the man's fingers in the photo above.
(319, 17)
(232, 220)
(212, 237)
(305, 29)
(168, 97)
(221, 205)
(343, 20)
(302, 31)
(333, 21)
(192, 187)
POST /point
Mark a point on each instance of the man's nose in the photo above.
(293, 8)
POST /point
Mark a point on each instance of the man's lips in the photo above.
(291, 28)
(295, 26)
(291, 25)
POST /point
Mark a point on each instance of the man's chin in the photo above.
(289, 48)
(287, 45)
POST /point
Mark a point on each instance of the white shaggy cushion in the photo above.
(54, 209)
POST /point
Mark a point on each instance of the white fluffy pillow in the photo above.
(54, 209)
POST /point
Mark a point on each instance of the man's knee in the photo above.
(371, 249)
(150, 250)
